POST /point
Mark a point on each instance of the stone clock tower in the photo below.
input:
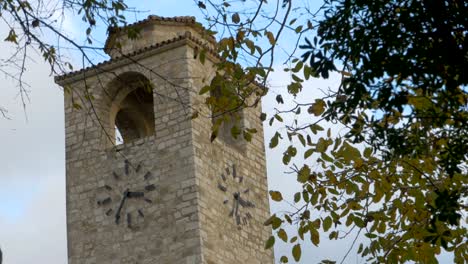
(162, 193)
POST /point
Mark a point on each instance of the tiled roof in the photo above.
(178, 20)
(187, 36)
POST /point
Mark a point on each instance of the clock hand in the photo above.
(117, 214)
(233, 207)
(135, 194)
(237, 212)
(237, 207)
(245, 203)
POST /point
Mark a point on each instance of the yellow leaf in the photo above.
(345, 73)
(315, 237)
(276, 196)
(270, 37)
(303, 174)
(296, 252)
(327, 223)
(240, 35)
(317, 108)
(235, 18)
(282, 234)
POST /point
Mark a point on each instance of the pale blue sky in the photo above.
(32, 174)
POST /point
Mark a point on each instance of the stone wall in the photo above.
(187, 219)
(170, 230)
(224, 240)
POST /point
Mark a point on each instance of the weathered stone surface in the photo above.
(187, 220)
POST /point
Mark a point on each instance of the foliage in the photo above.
(37, 26)
(397, 176)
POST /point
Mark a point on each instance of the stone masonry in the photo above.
(184, 215)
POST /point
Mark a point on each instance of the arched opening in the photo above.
(132, 111)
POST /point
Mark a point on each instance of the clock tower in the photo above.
(144, 182)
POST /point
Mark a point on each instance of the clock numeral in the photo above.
(221, 187)
(129, 220)
(248, 215)
(104, 201)
(234, 174)
(140, 213)
(223, 177)
(148, 200)
(138, 167)
(225, 201)
(241, 179)
(246, 190)
(244, 220)
(148, 175)
(232, 211)
(109, 212)
(150, 187)
(127, 165)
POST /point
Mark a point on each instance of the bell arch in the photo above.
(132, 107)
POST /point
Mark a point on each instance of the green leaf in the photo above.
(284, 259)
(274, 221)
(303, 174)
(77, 106)
(296, 252)
(297, 197)
(367, 152)
(247, 136)
(358, 221)
(298, 66)
(327, 223)
(361, 247)
(12, 37)
(276, 196)
(270, 242)
(278, 117)
(307, 72)
(315, 128)
(298, 29)
(301, 139)
(274, 140)
(321, 145)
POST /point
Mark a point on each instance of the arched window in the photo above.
(132, 111)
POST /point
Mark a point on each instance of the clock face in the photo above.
(237, 196)
(127, 194)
